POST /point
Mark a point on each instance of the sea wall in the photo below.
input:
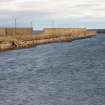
(6, 45)
(2, 32)
(19, 31)
(63, 31)
(16, 41)
(16, 31)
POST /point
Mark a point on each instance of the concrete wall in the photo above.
(63, 31)
(16, 31)
(19, 31)
(2, 32)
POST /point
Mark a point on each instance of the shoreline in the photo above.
(19, 43)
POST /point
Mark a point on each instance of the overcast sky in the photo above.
(53, 13)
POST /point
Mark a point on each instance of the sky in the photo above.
(53, 13)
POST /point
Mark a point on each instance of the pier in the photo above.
(16, 38)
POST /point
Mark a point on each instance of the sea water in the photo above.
(55, 74)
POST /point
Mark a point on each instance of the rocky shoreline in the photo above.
(17, 42)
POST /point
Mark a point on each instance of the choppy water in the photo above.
(55, 74)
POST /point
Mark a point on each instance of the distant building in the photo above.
(16, 31)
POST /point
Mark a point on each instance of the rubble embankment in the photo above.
(18, 42)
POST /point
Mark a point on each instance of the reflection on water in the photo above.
(54, 74)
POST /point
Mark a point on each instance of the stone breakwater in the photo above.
(17, 42)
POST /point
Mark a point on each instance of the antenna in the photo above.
(31, 24)
(15, 25)
(53, 25)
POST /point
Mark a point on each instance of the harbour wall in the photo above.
(64, 31)
(16, 31)
(59, 35)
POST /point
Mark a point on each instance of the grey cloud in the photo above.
(90, 7)
(6, 0)
(84, 5)
(23, 17)
(24, 14)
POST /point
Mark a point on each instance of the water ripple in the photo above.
(54, 74)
